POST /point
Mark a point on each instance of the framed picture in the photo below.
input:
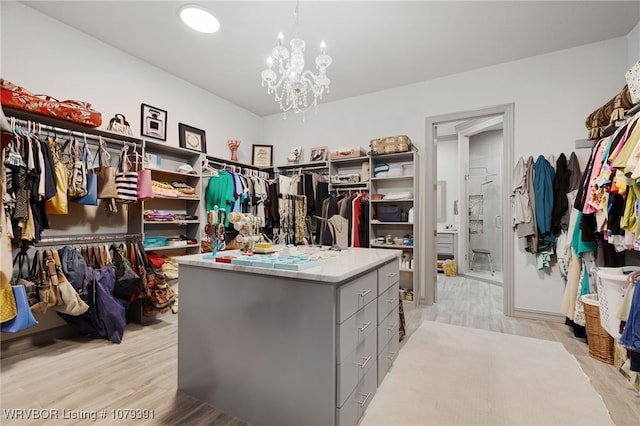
(153, 122)
(262, 155)
(318, 154)
(192, 138)
(295, 155)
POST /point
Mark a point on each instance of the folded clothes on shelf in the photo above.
(174, 189)
(183, 188)
(158, 216)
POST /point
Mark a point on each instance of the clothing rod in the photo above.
(247, 167)
(83, 239)
(78, 134)
(299, 170)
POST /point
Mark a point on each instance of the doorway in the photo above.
(478, 210)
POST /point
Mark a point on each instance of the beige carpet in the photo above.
(451, 375)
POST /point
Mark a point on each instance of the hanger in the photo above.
(206, 167)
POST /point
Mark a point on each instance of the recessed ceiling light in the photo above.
(199, 19)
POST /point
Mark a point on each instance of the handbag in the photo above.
(119, 124)
(13, 160)
(29, 282)
(48, 290)
(158, 295)
(59, 204)
(71, 304)
(144, 187)
(106, 174)
(91, 198)
(24, 318)
(126, 180)
(17, 97)
(77, 171)
(127, 280)
(8, 310)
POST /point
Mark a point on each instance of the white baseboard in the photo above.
(538, 315)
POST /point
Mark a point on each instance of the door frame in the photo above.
(428, 290)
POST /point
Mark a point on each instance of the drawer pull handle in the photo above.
(364, 401)
(395, 274)
(365, 325)
(366, 360)
(390, 356)
(391, 329)
(391, 300)
(363, 293)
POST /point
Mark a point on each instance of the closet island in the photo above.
(285, 347)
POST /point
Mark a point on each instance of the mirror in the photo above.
(441, 198)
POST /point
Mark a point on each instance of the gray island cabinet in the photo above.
(279, 347)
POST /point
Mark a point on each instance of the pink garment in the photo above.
(595, 172)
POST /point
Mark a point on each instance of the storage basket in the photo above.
(450, 268)
(390, 145)
(600, 342)
(612, 284)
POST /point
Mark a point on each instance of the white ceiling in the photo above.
(375, 45)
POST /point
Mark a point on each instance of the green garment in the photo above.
(579, 246)
(220, 192)
(628, 221)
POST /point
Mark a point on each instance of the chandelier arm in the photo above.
(310, 76)
(279, 83)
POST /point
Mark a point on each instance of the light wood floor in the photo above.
(140, 373)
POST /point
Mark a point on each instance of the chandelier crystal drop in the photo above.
(291, 84)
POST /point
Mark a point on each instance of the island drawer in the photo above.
(355, 295)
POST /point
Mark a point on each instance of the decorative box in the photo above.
(348, 153)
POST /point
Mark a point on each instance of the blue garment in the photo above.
(543, 192)
(631, 335)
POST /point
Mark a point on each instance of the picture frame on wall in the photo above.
(294, 155)
(153, 122)
(318, 154)
(192, 138)
(262, 155)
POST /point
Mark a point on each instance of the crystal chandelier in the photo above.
(292, 84)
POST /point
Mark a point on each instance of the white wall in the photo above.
(553, 94)
(48, 57)
(633, 45)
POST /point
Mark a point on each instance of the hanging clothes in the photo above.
(220, 192)
(522, 204)
(561, 181)
(543, 191)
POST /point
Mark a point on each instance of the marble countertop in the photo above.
(335, 266)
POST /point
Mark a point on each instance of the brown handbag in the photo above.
(48, 289)
(106, 174)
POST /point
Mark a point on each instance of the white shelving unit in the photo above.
(167, 160)
(402, 229)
